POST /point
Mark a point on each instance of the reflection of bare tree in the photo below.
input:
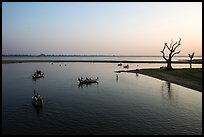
(168, 95)
(116, 77)
(137, 74)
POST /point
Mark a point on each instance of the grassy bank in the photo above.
(190, 78)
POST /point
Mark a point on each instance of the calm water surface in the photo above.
(117, 58)
(133, 104)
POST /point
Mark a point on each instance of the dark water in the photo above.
(130, 105)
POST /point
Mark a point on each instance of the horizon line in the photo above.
(98, 55)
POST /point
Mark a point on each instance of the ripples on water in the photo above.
(130, 105)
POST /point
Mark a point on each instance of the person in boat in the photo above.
(116, 76)
(36, 73)
(39, 98)
(38, 95)
(35, 96)
(79, 79)
(39, 72)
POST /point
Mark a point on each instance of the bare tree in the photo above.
(191, 57)
(172, 49)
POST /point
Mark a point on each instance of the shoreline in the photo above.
(100, 61)
(175, 76)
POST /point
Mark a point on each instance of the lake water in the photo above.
(133, 104)
(116, 58)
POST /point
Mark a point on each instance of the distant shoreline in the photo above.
(190, 78)
(100, 61)
(43, 55)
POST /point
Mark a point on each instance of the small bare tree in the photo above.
(191, 57)
(172, 48)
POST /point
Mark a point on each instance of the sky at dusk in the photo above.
(108, 28)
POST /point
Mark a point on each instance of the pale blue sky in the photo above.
(132, 28)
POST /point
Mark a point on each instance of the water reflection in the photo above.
(130, 106)
(168, 94)
(36, 79)
(81, 85)
(116, 77)
(136, 74)
(38, 109)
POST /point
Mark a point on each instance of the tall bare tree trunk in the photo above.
(190, 63)
(169, 67)
(172, 49)
(191, 58)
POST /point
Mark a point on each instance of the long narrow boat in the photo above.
(120, 64)
(88, 81)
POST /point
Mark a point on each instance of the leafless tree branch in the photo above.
(167, 46)
(163, 52)
(179, 43)
(176, 53)
(171, 44)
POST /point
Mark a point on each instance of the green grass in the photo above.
(191, 74)
(194, 74)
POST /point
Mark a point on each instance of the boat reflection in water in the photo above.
(87, 81)
(88, 84)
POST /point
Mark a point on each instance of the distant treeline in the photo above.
(43, 55)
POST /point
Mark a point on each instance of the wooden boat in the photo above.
(88, 81)
(37, 102)
(38, 75)
(127, 66)
(120, 64)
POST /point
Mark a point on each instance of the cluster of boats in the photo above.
(37, 100)
(126, 66)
